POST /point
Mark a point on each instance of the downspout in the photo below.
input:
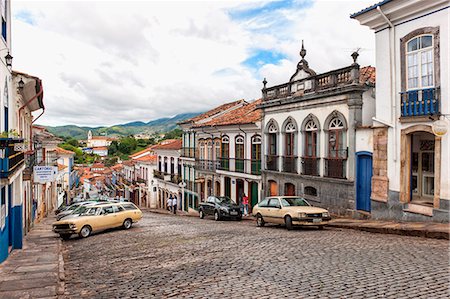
(393, 68)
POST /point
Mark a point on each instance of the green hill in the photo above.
(161, 125)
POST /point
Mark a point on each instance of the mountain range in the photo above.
(160, 125)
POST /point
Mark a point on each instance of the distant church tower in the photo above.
(89, 135)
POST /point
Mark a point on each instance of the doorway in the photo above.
(422, 168)
(239, 190)
(273, 188)
(363, 180)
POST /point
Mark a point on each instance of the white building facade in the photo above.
(411, 163)
(315, 132)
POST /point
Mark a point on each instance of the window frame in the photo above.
(419, 51)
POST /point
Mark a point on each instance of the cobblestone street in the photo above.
(185, 257)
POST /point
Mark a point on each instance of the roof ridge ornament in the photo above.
(303, 64)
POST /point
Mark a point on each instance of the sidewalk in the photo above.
(37, 270)
(418, 229)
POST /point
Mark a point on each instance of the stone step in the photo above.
(419, 209)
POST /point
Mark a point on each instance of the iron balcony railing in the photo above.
(249, 166)
(170, 177)
(188, 152)
(420, 102)
(272, 162)
(158, 174)
(10, 158)
(290, 164)
(207, 165)
(310, 165)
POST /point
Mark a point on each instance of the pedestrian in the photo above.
(245, 203)
(174, 204)
(169, 203)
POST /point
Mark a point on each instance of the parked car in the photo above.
(97, 217)
(72, 208)
(220, 207)
(289, 210)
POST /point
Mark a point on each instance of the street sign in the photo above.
(45, 174)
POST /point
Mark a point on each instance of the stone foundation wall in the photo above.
(338, 196)
(380, 181)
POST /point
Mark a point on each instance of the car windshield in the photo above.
(224, 199)
(73, 207)
(294, 202)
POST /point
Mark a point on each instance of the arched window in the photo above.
(239, 153)
(310, 160)
(311, 191)
(159, 163)
(165, 165)
(256, 155)
(225, 153)
(272, 146)
(210, 150)
(172, 165)
(419, 62)
(290, 154)
(336, 146)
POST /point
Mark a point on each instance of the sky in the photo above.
(112, 62)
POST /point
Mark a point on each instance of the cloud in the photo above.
(127, 61)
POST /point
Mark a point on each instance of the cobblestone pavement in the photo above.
(167, 256)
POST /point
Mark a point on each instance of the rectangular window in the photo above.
(413, 71)
(427, 68)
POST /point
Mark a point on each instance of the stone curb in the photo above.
(381, 230)
(395, 231)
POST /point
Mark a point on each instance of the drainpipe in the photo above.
(393, 69)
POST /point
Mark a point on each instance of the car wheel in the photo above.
(320, 227)
(201, 215)
(216, 216)
(65, 236)
(239, 218)
(127, 223)
(288, 222)
(85, 231)
(260, 221)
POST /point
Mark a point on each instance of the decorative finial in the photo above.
(303, 51)
(264, 82)
(355, 56)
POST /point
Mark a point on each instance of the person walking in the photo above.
(174, 204)
(169, 203)
(245, 203)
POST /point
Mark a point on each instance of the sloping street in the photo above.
(185, 257)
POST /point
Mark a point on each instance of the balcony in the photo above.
(188, 152)
(330, 80)
(335, 168)
(30, 161)
(207, 165)
(248, 166)
(158, 174)
(290, 164)
(10, 158)
(175, 178)
(422, 102)
(310, 165)
(272, 162)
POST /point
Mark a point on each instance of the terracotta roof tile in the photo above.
(247, 114)
(64, 152)
(98, 165)
(174, 145)
(147, 149)
(61, 167)
(99, 148)
(367, 75)
(213, 112)
(147, 158)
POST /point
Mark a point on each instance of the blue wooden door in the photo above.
(363, 180)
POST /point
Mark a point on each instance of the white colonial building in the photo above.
(222, 153)
(167, 175)
(315, 131)
(411, 178)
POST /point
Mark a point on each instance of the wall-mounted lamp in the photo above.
(21, 83)
(8, 59)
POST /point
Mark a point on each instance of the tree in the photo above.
(174, 134)
(73, 142)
